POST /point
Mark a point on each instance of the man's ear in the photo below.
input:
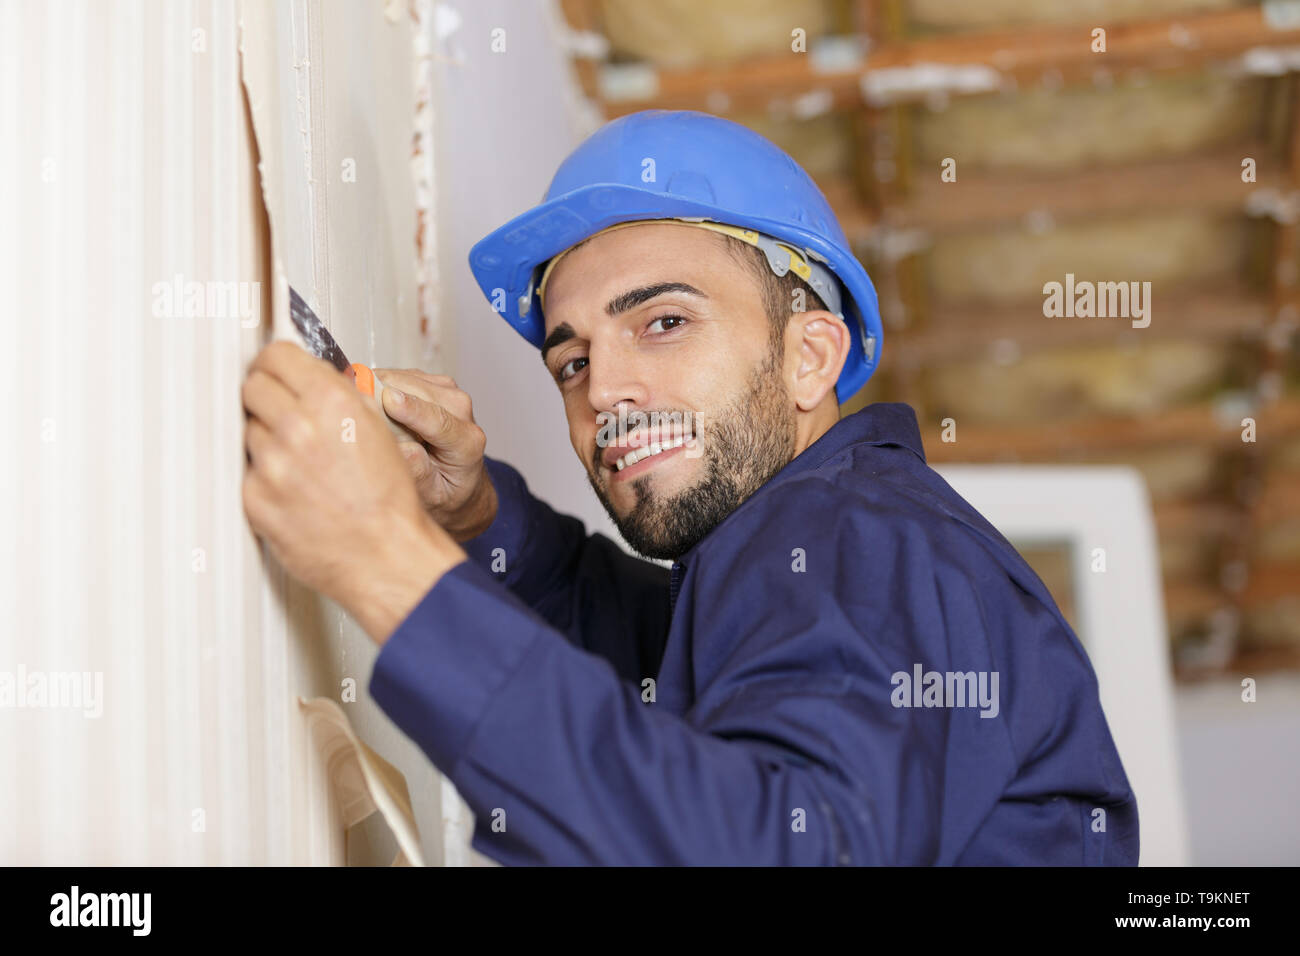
(821, 346)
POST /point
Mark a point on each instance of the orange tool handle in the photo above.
(364, 379)
(368, 383)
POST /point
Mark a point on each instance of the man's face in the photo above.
(662, 323)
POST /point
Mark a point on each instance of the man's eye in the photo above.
(561, 374)
(667, 318)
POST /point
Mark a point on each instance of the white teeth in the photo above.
(654, 448)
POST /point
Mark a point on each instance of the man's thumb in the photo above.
(430, 421)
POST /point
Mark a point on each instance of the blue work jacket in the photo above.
(854, 667)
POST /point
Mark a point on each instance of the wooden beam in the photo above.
(1250, 661)
(1194, 517)
(1074, 441)
(1278, 501)
(1173, 42)
(1208, 182)
(959, 333)
(1013, 56)
(1213, 516)
(1187, 599)
(1272, 582)
(1239, 543)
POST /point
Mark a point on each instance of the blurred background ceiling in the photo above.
(1115, 166)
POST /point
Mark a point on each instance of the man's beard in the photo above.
(749, 442)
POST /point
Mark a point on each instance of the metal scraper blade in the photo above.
(317, 338)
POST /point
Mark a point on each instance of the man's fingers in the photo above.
(257, 439)
(451, 437)
(292, 366)
(432, 388)
(416, 375)
(266, 398)
(269, 461)
(258, 503)
(417, 460)
(429, 420)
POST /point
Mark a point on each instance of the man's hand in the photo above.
(328, 490)
(448, 468)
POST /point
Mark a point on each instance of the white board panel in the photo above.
(129, 182)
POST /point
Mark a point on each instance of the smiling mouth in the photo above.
(639, 451)
(649, 451)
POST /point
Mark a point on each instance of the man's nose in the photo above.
(614, 377)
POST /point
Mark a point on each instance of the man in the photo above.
(846, 663)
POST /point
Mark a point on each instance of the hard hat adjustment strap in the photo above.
(781, 259)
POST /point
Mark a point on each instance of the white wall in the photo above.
(506, 121)
(1241, 770)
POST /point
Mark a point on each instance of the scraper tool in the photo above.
(321, 344)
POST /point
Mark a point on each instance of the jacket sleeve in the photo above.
(588, 588)
(791, 754)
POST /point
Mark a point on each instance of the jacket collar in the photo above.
(881, 423)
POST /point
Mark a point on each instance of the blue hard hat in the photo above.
(676, 164)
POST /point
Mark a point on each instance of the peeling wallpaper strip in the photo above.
(423, 175)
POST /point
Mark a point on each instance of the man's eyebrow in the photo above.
(561, 333)
(634, 297)
(620, 303)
